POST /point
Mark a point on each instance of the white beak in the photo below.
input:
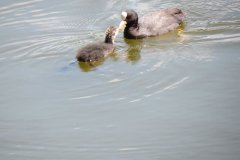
(124, 15)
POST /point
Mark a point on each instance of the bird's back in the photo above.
(94, 52)
(160, 22)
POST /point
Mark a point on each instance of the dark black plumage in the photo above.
(152, 24)
(99, 50)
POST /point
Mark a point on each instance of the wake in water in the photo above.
(67, 67)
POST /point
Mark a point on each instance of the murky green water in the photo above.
(174, 97)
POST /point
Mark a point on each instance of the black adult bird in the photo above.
(97, 51)
(152, 24)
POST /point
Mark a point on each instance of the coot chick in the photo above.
(97, 51)
(152, 24)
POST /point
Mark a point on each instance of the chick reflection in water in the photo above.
(90, 66)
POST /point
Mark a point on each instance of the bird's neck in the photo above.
(131, 31)
(133, 24)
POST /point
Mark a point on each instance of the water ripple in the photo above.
(129, 106)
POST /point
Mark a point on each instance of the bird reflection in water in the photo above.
(133, 52)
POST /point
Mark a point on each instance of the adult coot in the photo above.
(152, 24)
(97, 51)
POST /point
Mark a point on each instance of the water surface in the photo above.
(173, 97)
